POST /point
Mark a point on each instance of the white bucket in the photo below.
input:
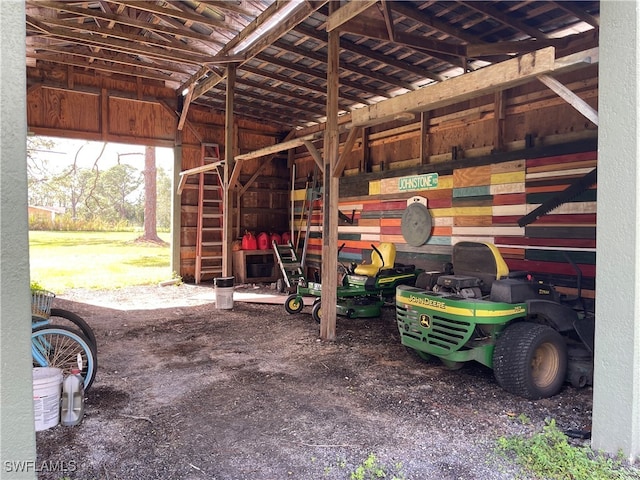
(47, 386)
(224, 293)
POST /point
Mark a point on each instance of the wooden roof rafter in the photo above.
(417, 44)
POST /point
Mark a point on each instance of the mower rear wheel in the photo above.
(293, 304)
(530, 360)
(316, 312)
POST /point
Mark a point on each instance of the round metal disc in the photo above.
(416, 224)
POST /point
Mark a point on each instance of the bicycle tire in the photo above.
(59, 347)
(76, 320)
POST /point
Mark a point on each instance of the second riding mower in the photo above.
(533, 337)
(365, 288)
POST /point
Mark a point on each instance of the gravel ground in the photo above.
(188, 391)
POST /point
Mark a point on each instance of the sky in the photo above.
(64, 152)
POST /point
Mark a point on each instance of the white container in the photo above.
(72, 408)
(47, 386)
(224, 293)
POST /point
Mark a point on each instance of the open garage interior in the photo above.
(341, 123)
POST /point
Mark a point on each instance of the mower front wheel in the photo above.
(316, 312)
(293, 304)
(530, 360)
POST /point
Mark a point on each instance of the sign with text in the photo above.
(418, 182)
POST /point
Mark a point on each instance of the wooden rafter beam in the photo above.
(377, 29)
(112, 18)
(152, 72)
(574, 9)
(299, 84)
(263, 39)
(387, 13)
(407, 9)
(105, 40)
(367, 53)
(524, 46)
(346, 66)
(154, 8)
(320, 75)
(347, 12)
(507, 20)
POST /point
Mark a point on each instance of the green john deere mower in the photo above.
(533, 338)
(364, 289)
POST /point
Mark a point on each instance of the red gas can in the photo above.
(286, 237)
(249, 242)
(275, 237)
(263, 241)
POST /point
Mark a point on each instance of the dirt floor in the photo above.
(188, 391)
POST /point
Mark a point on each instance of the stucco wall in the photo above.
(17, 436)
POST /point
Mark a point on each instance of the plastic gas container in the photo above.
(275, 237)
(249, 242)
(286, 237)
(263, 241)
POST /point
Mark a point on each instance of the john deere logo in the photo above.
(425, 321)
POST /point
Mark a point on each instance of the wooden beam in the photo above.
(207, 84)
(256, 174)
(425, 117)
(192, 171)
(347, 12)
(387, 13)
(354, 133)
(315, 154)
(499, 105)
(464, 87)
(229, 146)
(571, 98)
(185, 108)
(278, 147)
(331, 187)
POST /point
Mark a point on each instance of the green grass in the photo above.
(548, 455)
(95, 260)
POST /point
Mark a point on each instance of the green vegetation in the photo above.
(370, 469)
(548, 455)
(96, 260)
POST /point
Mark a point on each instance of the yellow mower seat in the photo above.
(388, 252)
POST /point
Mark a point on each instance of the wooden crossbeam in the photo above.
(192, 171)
(471, 85)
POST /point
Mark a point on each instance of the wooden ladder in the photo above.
(210, 218)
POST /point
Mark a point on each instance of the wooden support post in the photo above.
(330, 191)
(499, 115)
(425, 117)
(229, 147)
(365, 160)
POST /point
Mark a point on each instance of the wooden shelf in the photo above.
(255, 266)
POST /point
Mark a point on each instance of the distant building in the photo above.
(45, 213)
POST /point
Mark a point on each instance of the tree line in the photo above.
(93, 197)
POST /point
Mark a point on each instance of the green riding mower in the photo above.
(534, 338)
(365, 288)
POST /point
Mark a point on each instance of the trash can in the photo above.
(224, 292)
